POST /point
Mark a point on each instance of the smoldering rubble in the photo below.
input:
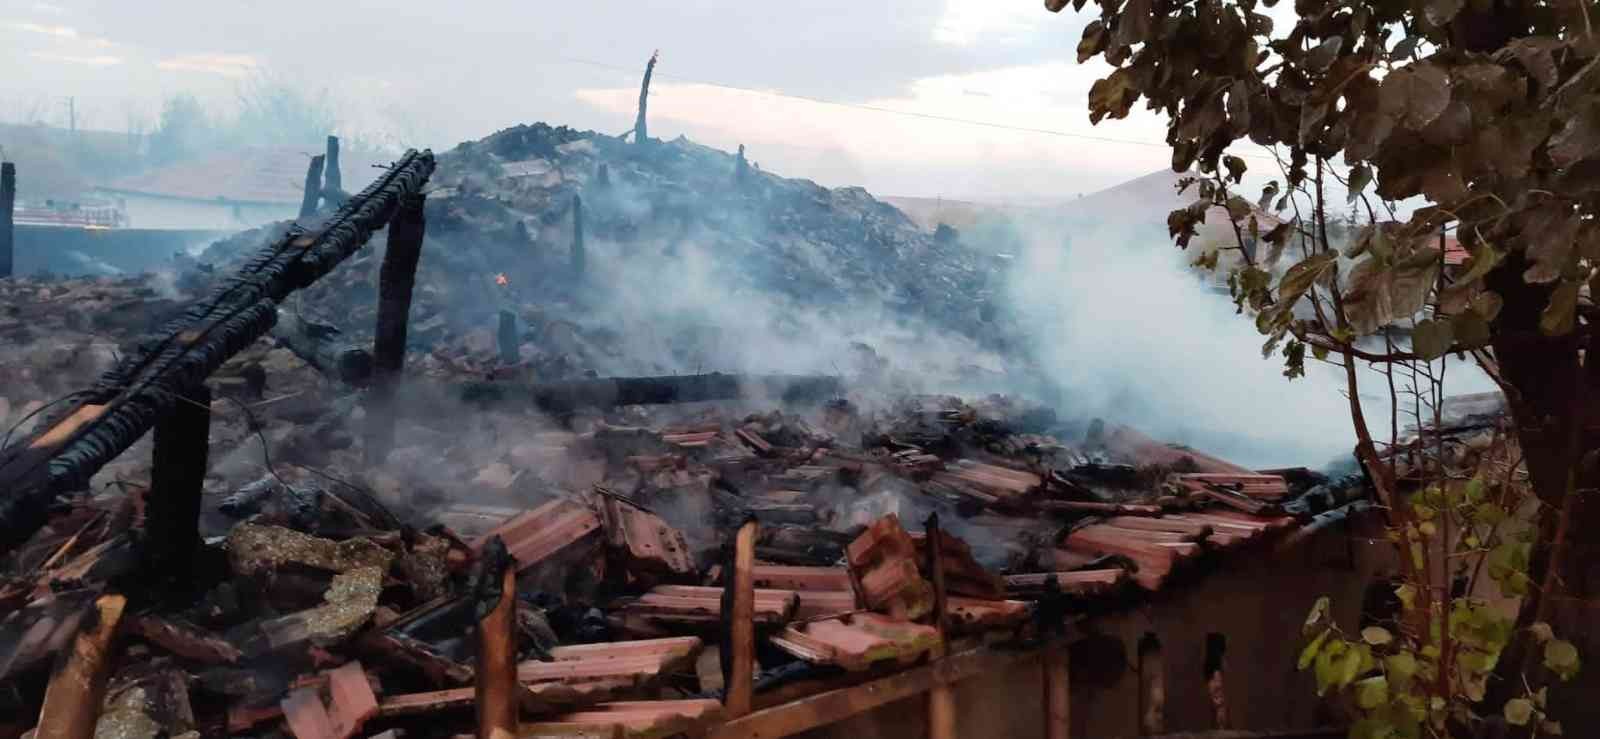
(588, 427)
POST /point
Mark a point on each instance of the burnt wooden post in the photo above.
(506, 338)
(8, 201)
(332, 182)
(1057, 693)
(72, 699)
(1152, 687)
(395, 280)
(313, 189)
(739, 616)
(941, 696)
(578, 257)
(172, 508)
(495, 686)
(641, 136)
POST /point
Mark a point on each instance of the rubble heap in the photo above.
(615, 260)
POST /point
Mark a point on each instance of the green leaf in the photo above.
(1519, 711)
(1236, 169)
(1541, 632)
(1415, 95)
(1371, 728)
(1360, 177)
(1407, 594)
(1561, 657)
(1376, 636)
(1297, 280)
(1561, 315)
(1431, 338)
(1372, 692)
(1400, 667)
(1471, 330)
(1093, 42)
(1322, 57)
(1311, 650)
(1350, 664)
(1238, 208)
(1405, 48)
(1319, 611)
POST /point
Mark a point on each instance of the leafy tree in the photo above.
(1489, 111)
(184, 129)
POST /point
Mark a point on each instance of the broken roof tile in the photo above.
(804, 579)
(692, 604)
(883, 566)
(533, 536)
(856, 641)
(1262, 487)
(1080, 582)
(644, 541)
(630, 719)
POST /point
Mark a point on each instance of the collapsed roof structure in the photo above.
(520, 545)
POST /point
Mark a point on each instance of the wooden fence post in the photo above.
(1057, 693)
(740, 682)
(941, 697)
(178, 474)
(78, 685)
(495, 689)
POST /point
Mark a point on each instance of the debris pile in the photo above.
(552, 253)
(335, 604)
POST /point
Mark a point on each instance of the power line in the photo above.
(880, 109)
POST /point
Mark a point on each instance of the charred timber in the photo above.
(132, 397)
(332, 181)
(568, 396)
(8, 200)
(347, 363)
(313, 189)
(396, 278)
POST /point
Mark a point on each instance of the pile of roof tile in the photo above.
(337, 609)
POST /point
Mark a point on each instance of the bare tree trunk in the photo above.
(578, 256)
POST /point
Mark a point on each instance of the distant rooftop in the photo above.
(258, 175)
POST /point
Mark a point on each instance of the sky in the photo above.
(435, 74)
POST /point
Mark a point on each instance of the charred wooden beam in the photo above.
(129, 399)
(313, 189)
(346, 363)
(740, 643)
(506, 338)
(568, 396)
(641, 136)
(73, 698)
(8, 200)
(396, 278)
(332, 181)
(496, 692)
(177, 476)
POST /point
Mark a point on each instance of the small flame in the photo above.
(502, 280)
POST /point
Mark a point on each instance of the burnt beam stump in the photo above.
(313, 189)
(396, 278)
(177, 476)
(8, 200)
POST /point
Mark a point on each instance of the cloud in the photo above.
(102, 60)
(966, 22)
(61, 32)
(227, 65)
(49, 8)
